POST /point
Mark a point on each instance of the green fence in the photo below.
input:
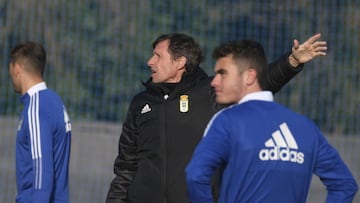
(98, 49)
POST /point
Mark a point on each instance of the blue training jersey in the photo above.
(43, 148)
(268, 153)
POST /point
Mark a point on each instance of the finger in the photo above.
(321, 48)
(320, 51)
(314, 38)
(320, 54)
(319, 43)
(296, 44)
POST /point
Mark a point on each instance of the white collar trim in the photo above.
(261, 95)
(36, 88)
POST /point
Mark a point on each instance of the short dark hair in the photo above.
(182, 45)
(248, 51)
(30, 53)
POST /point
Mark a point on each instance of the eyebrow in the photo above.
(156, 53)
(220, 71)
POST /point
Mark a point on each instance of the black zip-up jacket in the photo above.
(162, 128)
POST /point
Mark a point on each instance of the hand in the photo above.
(307, 51)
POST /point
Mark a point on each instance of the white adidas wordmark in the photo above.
(282, 146)
(145, 109)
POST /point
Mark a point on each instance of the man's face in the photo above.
(13, 70)
(228, 83)
(163, 67)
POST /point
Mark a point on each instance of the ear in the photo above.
(181, 62)
(251, 76)
(15, 68)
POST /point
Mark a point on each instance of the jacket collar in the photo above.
(261, 95)
(188, 80)
(36, 88)
(33, 90)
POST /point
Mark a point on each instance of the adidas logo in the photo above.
(145, 109)
(282, 146)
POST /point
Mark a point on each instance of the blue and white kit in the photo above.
(268, 153)
(43, 147)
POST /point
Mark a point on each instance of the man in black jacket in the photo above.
(166, 121)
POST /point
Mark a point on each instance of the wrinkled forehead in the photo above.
(162, 48)
(162, 45)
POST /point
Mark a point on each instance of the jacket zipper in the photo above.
(166, 96)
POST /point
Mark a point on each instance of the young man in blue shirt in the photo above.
(165, 121)
(267, 152)
(44, 131)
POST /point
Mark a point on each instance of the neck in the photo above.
(27, 84)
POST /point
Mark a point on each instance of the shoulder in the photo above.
(49, 94)
(142, 96)
(228, 113)
(141, 99)
(251, 110)
(50, 102)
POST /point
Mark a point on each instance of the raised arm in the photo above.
(281, 71)
(307, 51)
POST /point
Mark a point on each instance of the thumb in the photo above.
(296, 44)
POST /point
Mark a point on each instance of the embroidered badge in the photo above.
(184, 103)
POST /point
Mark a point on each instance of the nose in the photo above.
(150, 62)
(215, 80)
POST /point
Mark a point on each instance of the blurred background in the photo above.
(97, 52)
